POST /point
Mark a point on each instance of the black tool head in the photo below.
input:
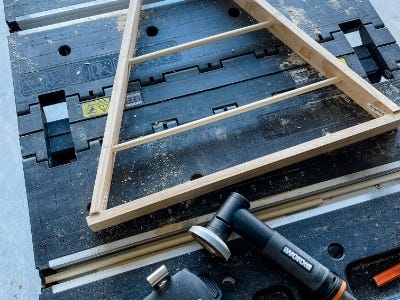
(210, 241)
(220, 227)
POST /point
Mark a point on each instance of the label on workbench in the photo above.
(96, 107)
(343, 60)
(134, 99)
(100, 106)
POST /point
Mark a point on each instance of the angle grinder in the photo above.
(234, 215)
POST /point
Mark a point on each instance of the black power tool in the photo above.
(235, 216)
(183, 285)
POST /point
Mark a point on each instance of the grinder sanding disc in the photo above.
(210, 241)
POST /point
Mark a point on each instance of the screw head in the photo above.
(228, 282)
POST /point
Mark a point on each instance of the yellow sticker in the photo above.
(343, 60)
(96, 107)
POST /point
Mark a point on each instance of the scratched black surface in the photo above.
(38, 67)
(64, 192)
(59, 196)
(255, 274)
(312, 15)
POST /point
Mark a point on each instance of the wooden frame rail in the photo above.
(384, 110)
(223, 115)
(201, 42)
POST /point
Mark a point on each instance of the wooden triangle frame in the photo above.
(386, 113)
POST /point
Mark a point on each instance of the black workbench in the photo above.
(74, 66)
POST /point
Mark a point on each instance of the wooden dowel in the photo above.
(373, 101)
(111, 132)
(237, 173)
(204, 41)
(211, 119)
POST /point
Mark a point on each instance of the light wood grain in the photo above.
(369, 98)
(113, 125)
(223, 115)
(348, 81)
(200, 42)
(268, 163)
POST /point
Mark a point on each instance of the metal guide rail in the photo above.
(311, 16)
(336, 236)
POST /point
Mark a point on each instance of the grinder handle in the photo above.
(313, 274)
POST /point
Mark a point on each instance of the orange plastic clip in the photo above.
(387, 275)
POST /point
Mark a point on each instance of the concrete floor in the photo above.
(18, 277)
(389, 11)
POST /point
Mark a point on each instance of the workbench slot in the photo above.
(59, 142)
